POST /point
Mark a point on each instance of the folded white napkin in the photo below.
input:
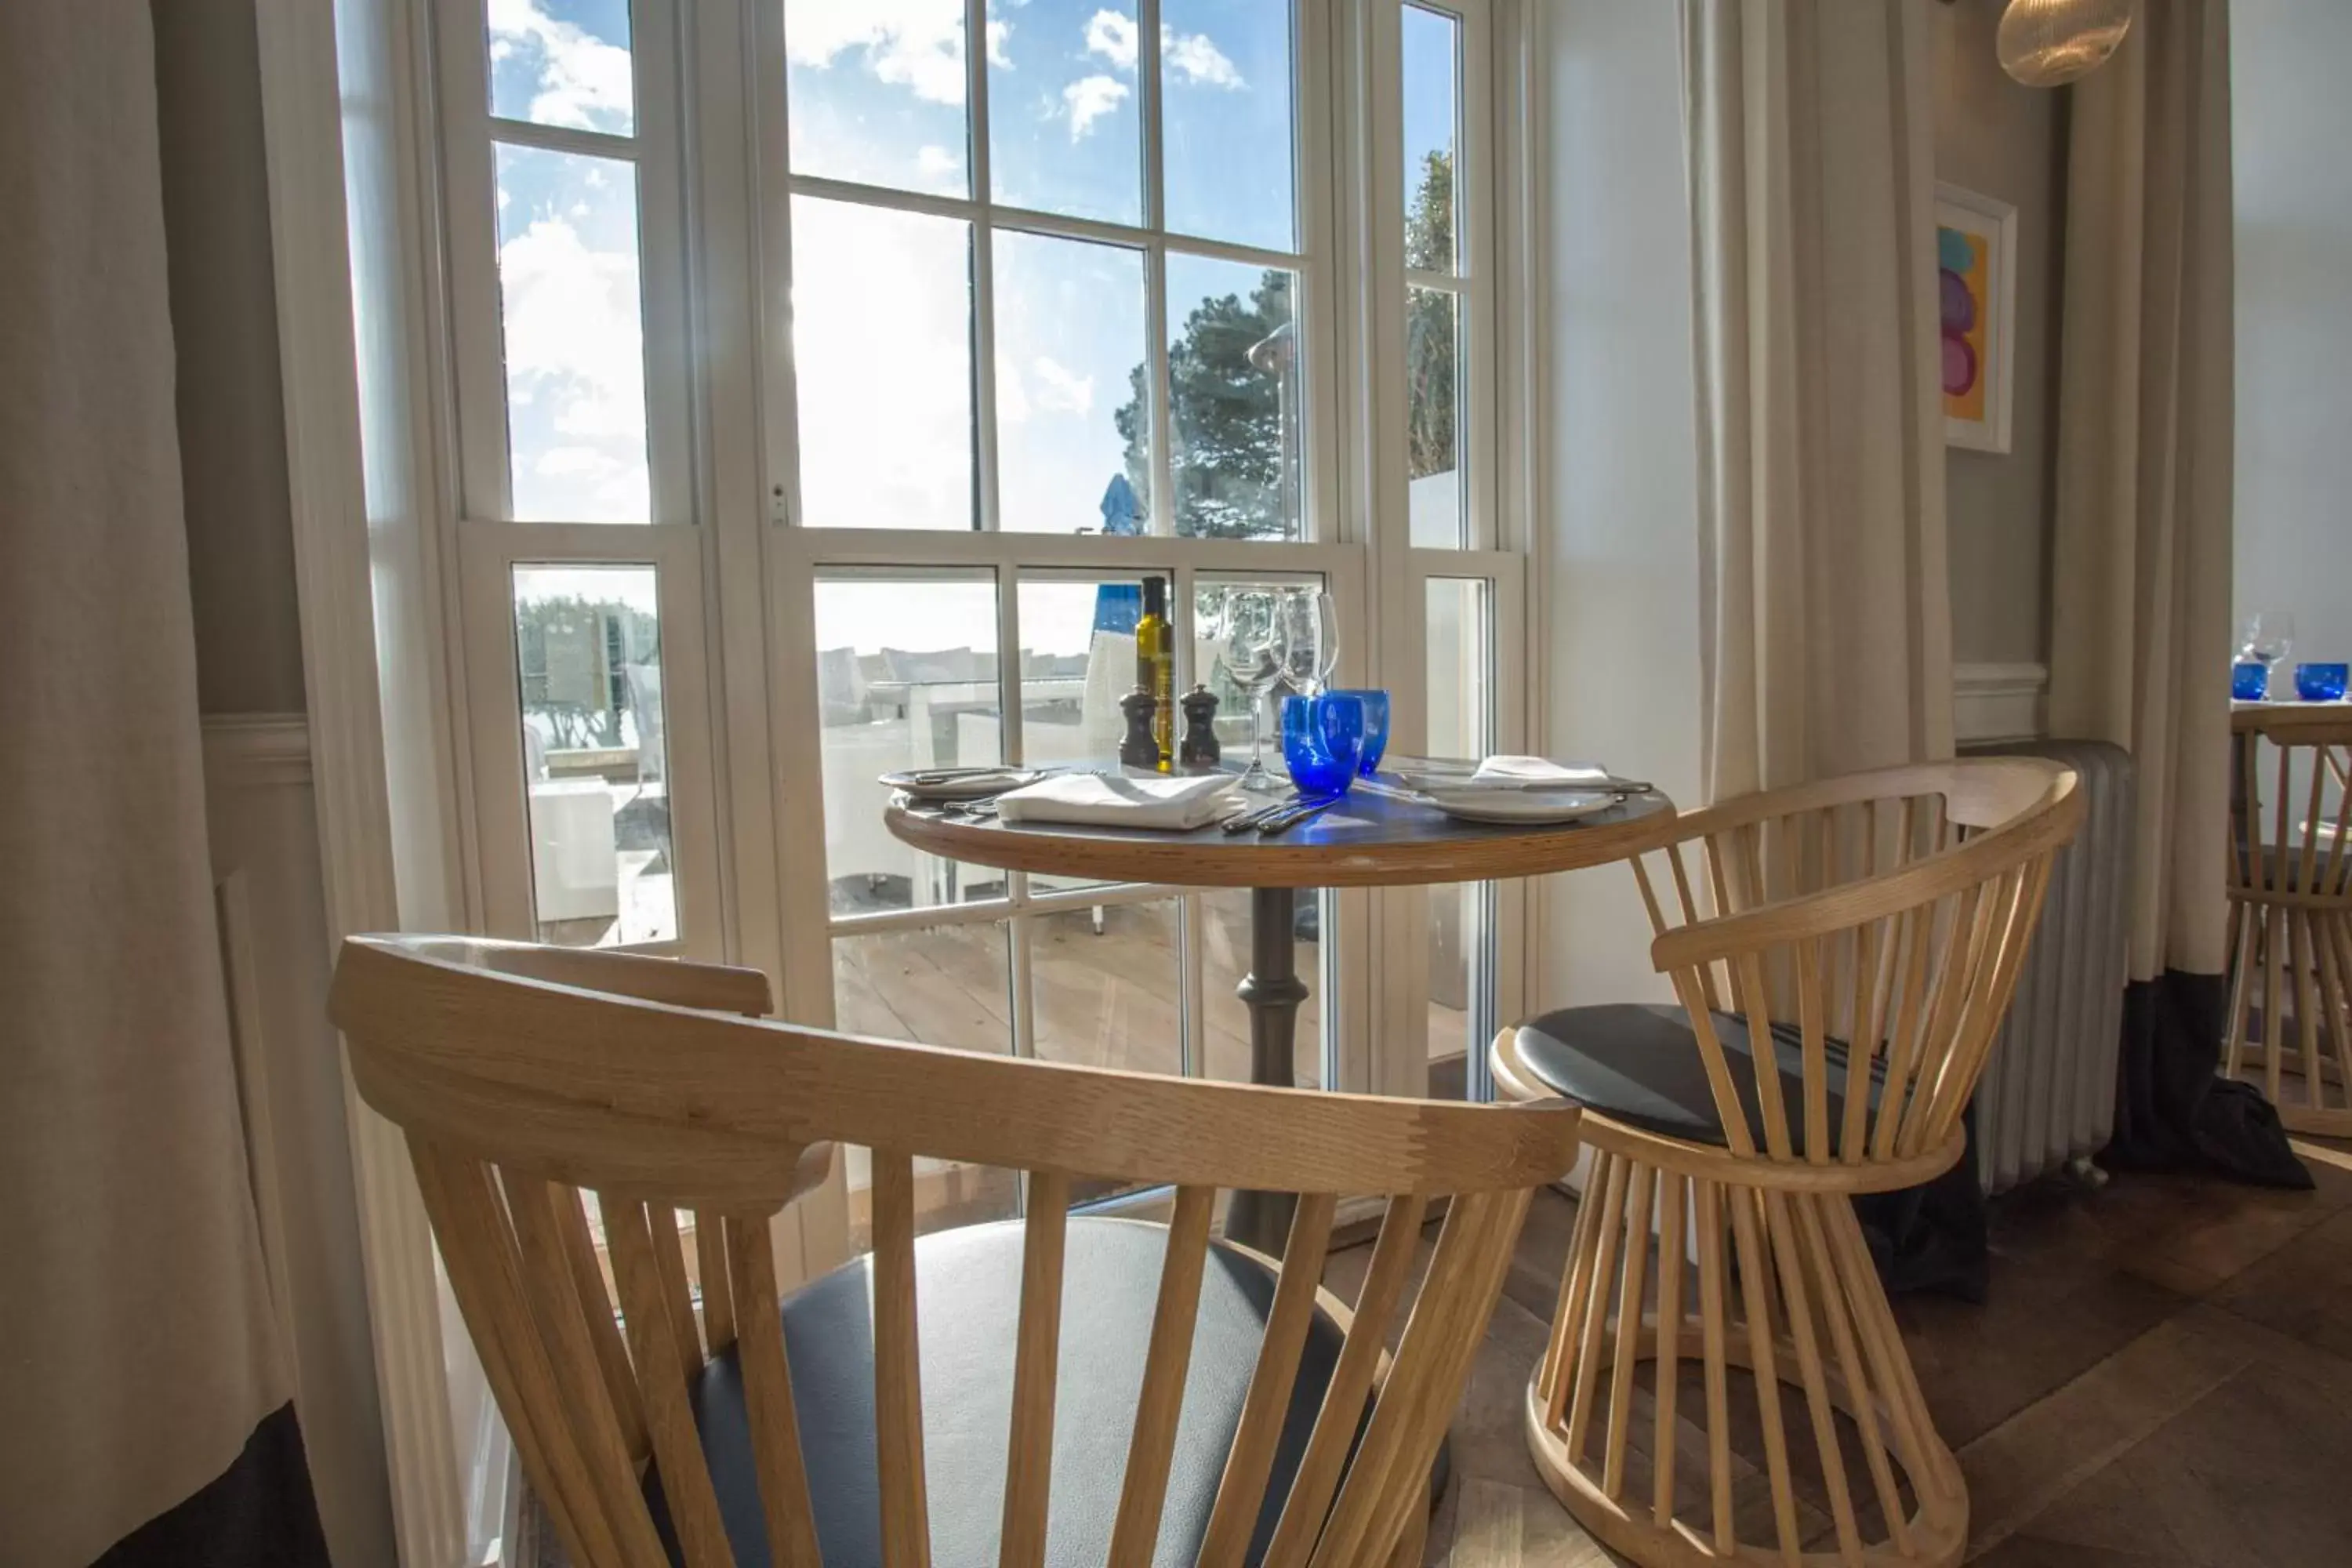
(1092, 799)
(1536, 772)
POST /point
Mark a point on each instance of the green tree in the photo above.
(1225, 417)
(1225, 413)
(1429, 332)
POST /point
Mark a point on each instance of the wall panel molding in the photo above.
(252, 750)
(1993, 702)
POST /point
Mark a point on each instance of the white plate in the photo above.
(920, 784)
(1521, 806)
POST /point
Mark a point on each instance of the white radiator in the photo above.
(2048, 1094)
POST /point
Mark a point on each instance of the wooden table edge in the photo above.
(1207, 859)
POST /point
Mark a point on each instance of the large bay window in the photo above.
(823, 379)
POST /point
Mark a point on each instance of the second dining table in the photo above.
(1379, 835)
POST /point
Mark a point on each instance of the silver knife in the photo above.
(1282, 822)
(1249, 819)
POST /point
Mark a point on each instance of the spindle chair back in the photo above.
(1844, 952)
(2290, 882)
(531, 1082)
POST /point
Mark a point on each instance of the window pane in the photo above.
(1435, 504)
(1073, 419)
(1430, 44)
(951, 986)
(1235, 391)
(1226, 957)
(876, 91)
(573, 323)
(588, 661)
(1107, 987)
(882, 357)
(1226, 135)
(1064, 126)
(1078, 659)
(1106, 991)
(906, 678)
(562, 62)
(1233, 720)
(1461, 657)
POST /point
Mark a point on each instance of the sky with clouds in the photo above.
(882, 326)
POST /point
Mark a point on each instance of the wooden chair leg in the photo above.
(1794, 1301)
(2298, 962)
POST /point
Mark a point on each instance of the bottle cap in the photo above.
(1155, 596)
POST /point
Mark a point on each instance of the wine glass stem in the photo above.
(1257, 728)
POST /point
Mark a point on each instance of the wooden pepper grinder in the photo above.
(1141, 747)
(1200, 748)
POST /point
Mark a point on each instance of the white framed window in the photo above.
(826, 376)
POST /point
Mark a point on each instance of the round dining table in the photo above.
(1379, 835)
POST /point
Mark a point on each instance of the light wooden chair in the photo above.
(1064, 1390)
(1890, 909)
(2291, 912)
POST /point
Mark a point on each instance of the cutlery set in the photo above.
(1281, 815)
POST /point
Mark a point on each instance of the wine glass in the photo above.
(1310, 627)
(2269, 638)
(1250, 650)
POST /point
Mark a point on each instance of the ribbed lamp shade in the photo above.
(2048, 43)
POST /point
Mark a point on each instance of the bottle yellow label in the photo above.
(1155, 668)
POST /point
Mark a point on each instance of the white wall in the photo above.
(1620, 537)
(2008, 141)
(224, 330)
(2292, 120)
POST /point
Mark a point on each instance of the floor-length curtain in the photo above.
(1826, 617)
(1827, 622)
(2140, 624)
(143, 1406)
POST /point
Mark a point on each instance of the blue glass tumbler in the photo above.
(2250, 680)
(1376, 729)
(1321, 738)
(2319, 682)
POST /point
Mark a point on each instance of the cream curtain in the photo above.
(2140, 624)
(136, 1336)
(1826, 626)
(2140, 586)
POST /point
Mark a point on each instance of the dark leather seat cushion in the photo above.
(1639, 1064)
(967, 1295)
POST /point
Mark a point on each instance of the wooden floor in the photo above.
(2162, 1376)
(1108, 998)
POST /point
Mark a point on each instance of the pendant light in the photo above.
(2048, 43)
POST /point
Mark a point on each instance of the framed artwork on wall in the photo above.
(1976, 288)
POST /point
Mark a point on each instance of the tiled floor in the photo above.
(2162, 1376)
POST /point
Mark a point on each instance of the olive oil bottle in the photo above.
(1155, 666)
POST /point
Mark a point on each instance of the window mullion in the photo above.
(984, 274)
(563, 138)
(959, 207)
(1155, 267)
(1021, 964)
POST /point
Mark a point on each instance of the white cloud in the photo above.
(914, 44)
(1062, 390)
(881, 337)
(1090, 98)
(935, 160)
(1198, 61)
(572, 340)
(582, 81)
(1113, 36)
(1195, 56)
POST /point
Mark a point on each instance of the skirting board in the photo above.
(2000, 702)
